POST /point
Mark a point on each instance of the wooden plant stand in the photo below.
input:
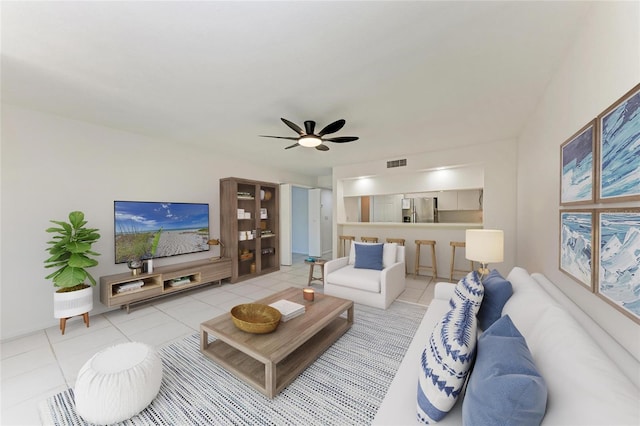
(63, 321)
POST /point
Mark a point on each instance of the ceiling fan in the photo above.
(309, 139)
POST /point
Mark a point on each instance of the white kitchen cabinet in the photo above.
(469, 200)
(448, 200)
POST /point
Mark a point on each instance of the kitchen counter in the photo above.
(409, 225)
(442, 233)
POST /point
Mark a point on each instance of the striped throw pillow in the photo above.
(449, 354)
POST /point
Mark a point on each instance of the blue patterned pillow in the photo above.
(447, 358)
(468, 288)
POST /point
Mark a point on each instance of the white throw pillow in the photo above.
(352, 253)
(389, 253)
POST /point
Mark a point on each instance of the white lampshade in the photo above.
(484, 245)
(309, 141)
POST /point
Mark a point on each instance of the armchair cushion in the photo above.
(361, 279)
(368, 257)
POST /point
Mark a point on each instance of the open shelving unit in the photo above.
(159, 282)
(249, 225)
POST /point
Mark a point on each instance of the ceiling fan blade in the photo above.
(322, 148)
(342, 139)
(293, 126)
(280, 137)
(309, 126)
(292, 146)
(332, 128)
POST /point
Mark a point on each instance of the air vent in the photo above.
(396, 163)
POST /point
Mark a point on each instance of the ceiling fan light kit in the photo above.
(309, 139)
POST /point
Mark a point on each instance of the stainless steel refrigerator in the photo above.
(420, 210)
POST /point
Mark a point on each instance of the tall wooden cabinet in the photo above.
(249, 226)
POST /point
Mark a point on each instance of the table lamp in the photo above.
(484, 246)
(216, 242)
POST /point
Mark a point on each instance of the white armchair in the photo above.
(367, 286)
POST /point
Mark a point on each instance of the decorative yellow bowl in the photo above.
(255, 318)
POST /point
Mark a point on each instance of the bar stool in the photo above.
(459, 244)
(400, 242)
(433, 268)
(343, 241)
(369, 239)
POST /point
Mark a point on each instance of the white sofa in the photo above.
(591, 379)
(367, 286)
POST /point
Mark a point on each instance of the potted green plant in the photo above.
(70, 253)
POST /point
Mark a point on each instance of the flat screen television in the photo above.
(150, 230)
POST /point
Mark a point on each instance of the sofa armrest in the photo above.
(444, 291)
(334, 265)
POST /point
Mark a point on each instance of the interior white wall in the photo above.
(326, 220)
(52, 165)
(324, 182)
(286, 211)
(408, 181)
(601, 66)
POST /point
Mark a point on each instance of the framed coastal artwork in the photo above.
(618, 259)
(577, 167)
(618, 148)
(576, 245)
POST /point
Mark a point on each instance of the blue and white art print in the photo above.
(576, 242)
(619, 147)
(619, 259)
(577, 167)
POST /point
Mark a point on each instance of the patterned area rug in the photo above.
(345, 386)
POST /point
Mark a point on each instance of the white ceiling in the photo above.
(406, 76)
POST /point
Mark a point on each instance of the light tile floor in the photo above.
(44, 363)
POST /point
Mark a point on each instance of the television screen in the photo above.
(146, 230)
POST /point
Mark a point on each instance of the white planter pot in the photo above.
(70, 304)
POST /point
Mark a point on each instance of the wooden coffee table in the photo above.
(269, 362)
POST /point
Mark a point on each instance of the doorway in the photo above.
(306, 222)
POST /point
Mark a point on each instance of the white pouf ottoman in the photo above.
(118, 382)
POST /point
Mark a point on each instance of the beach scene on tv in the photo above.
(146, 230)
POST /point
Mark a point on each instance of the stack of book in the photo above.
(288, 309)
(179, 281)
(134, 285)
(243, 195)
